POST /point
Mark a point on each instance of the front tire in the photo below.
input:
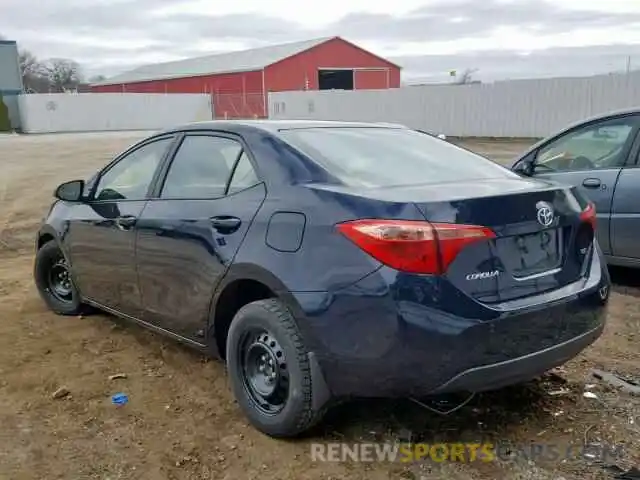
(270, 371)
(53, 280)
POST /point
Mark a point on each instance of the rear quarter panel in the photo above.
(326, 261)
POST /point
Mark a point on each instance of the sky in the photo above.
(499, 39)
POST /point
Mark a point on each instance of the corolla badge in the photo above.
(483, 275)
(545, 214)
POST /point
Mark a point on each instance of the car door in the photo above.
(192, 228)
(625, 213)
(102, 231)
(590, 156)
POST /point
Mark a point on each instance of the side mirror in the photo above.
(524, 167)
(70, 191)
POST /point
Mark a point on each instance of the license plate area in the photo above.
(536, 253)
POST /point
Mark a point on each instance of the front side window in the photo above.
(130, 178)
(379, 157)
(201, 167)
(595, 146)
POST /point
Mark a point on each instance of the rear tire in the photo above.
(53, 280)
(270, 371)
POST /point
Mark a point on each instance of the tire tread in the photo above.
(307, 417)
(77, 308)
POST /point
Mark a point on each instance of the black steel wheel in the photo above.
(60, 284)
(54, 281)
(264, 370)
(270, 370)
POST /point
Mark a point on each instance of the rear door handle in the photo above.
(591, 183)
(126, 222)
(225, 223)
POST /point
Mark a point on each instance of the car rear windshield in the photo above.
(379, 157)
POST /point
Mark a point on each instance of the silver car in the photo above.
(599, 155)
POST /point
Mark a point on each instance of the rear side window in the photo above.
(244, 175)
(201, 167)
(378, 157)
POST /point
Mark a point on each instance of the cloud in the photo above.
(250, 28)
(492, 65)
(120, 34)
(108, 36)
(473, 18)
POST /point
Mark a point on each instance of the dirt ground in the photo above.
(181, 421)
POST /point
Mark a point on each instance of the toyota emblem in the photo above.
(545, 214)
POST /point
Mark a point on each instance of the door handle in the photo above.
(126, 222)
(591, 183)
(225, 223)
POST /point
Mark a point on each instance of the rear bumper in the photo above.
(521, 369)
(398, 335)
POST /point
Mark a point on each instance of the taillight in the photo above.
(588, 215)
(413, 246)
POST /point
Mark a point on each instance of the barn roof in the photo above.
(229, 62)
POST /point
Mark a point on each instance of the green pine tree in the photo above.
(5, 123)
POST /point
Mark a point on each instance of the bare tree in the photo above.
(53, 75)
(63, 74)
(466, 76)
(34, 75)
(30, 65)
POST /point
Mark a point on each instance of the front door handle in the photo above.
(591, 183)
(126, 222)
(225, 223)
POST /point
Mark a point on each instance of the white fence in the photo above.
(518, 108)
(60, 112)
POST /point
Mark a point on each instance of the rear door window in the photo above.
(201, 167)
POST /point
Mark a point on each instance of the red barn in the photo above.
(239, 81)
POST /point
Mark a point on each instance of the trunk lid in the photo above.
(541, 243)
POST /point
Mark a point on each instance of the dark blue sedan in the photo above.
(324, 260)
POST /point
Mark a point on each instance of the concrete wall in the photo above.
(10, 85)
(60, 112)
(519, 108)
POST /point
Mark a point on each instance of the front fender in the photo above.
(46, 232)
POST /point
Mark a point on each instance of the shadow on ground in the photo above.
(488, 416)
(626, 281)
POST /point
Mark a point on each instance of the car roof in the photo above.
(274, 126)
(600, 116)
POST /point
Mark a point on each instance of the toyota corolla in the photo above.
(325, 260)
